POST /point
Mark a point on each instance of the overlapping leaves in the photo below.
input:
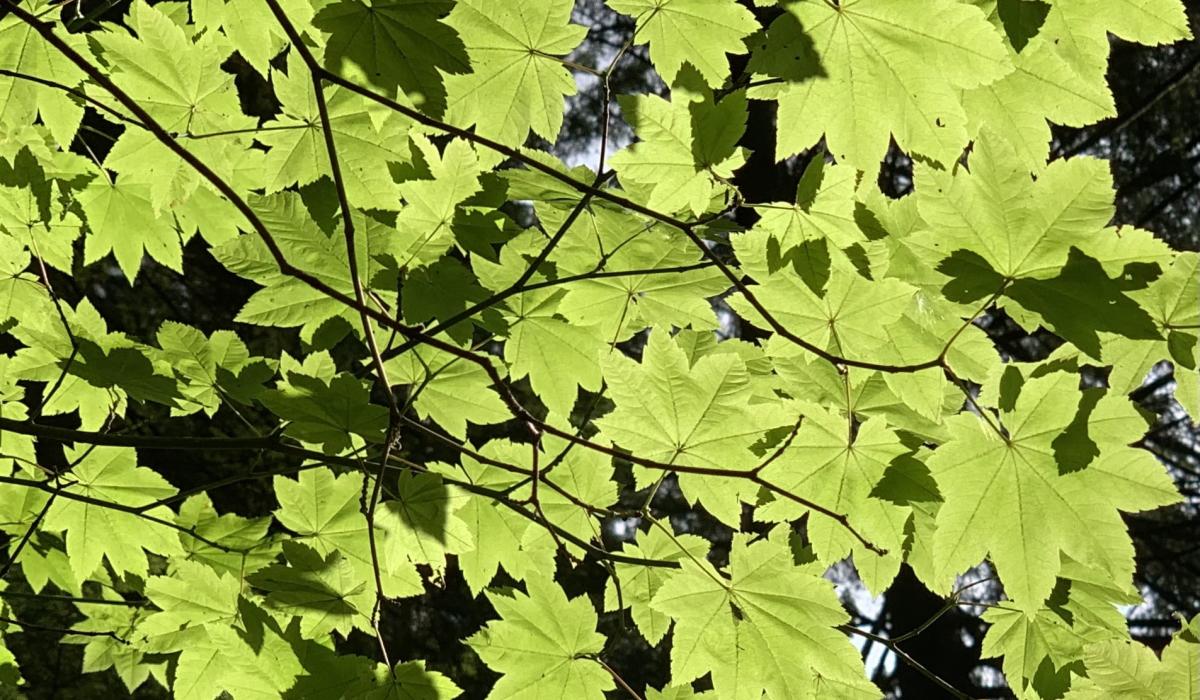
(570, 343)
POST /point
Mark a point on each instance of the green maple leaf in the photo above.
(672, 411)
(1082, 611)
(94, 532)
(219, 660)
(1081, 290)
(48, 349)
(639, 584)
(606, 238)
(1130, 669)
(503, 538)
(394, 44)
(103, 367)
(17, 449)
(770, 626)
(24, 52)
(441, 291)
(1129, 251)
(1026, 640)
(169, 75)
(558, 357)
(1153, 22)
(287, 301)
(251, 27)
(193, 595)
(121, 219)
(1058, 77)
(688, 146)
(849, 318)
(328, 674)
(325, 593)
(323, 408)
(541, 645)
(197, 358)
(1032, 472)
(20, 292)
(422, 523)
(225, 642)
(426, 223)
(585, 476)
(517, 84)
(674, 28)
(448, 389)
(618, 307)
(101, 652)
(838, 467)
(33, 217)
(675, 692)
(366, 143)
(1019, 227)
(885, 73)
(117, 362)
(324, 511)
(824, 209)
(1173, 303)
(141, 159)
(496, 530)
(1060, 68)
(929, 327)
(1030, 480)
(10, 672)
(247, 537)
(600, 233)
(1112, 424)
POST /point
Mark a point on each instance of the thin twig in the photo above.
(783, 446)
(368, 334)
(73, 92)
(615, 676)
(62, 317)
(61, 630)
(72, 599)
(12, 558)
(908, 659)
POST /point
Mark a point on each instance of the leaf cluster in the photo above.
(581, 337)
